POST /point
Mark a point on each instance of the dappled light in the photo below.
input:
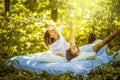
(24, 22)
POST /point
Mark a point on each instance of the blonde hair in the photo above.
(47, 39)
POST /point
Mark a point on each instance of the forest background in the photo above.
(22, 27)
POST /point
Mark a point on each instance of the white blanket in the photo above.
(56, 65)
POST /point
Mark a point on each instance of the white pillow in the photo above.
(48, 57)
(84, 56)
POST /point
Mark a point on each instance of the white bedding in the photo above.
(56, 65)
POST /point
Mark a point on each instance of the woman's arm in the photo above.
(60, 26)
(59, 30)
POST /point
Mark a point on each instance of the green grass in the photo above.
(105, 72)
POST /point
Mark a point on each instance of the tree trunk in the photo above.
(54, 14)
(7, 6)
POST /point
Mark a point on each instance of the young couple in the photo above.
(54, 40)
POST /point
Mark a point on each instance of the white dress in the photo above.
(61, 45)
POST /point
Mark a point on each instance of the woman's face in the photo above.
(53, 33)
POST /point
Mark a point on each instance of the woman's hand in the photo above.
(69, 22)
(59, 54)
(61, 21)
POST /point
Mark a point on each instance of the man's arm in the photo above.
(71, 37)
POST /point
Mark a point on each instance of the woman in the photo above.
(59, 46)
(55, 41)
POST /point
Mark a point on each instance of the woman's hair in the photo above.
(47, 39)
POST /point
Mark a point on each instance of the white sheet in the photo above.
(48, 57)
(83, 67)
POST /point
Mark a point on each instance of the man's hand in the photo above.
(71, 37)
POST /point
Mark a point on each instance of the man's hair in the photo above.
(70, 55)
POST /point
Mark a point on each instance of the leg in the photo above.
(106, 40)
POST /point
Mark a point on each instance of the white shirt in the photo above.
(61, 45)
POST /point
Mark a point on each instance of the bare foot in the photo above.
(117, 30)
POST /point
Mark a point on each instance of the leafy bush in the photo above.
(22, 29)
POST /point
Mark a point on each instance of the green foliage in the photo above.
(22, 29)
(20, 34)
